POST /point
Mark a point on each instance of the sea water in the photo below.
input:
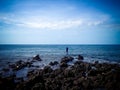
(48, 53)
(91, 53)
(12, 53)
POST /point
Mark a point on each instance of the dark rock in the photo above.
(38, 86)
(7, 83)
(109, 86)
(76, 88)
(29, 64)
(19, 62)
(30, 73)
(77, 62)
(18, 80)
(80, 57)
(67, 59)
(37, 57)
(68, 73)
(57, 72)
(18, 65)
(96, 84)
(63, 64)
(35, 78)
(86, 84)
(92, 72)
(5, 69)
(81, 76)
(47, 69)
(84, 74)
(53, 63)
(88, 67)
(21, 86)
(12, 65)
(96, 62)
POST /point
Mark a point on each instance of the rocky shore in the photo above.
(78, 76)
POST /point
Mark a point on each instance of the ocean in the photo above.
(48, 53)
(91, 53)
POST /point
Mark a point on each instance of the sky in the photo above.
(59, 22)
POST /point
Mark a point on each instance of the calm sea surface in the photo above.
(12, 53)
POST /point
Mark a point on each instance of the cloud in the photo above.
(95, 23)
(51, 23)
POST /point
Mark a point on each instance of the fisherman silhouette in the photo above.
(67, 50)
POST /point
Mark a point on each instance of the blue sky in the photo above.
(59, 22)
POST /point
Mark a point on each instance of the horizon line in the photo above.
(56, 44)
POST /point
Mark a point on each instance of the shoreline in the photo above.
(70, 74)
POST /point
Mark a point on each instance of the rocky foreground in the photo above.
(80, 76)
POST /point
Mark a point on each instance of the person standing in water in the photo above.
(67, 50)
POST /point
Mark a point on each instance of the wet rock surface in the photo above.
(80, 76)
(37, 57)
(80, 57)
(53, 63)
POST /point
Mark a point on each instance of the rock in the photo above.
(29, 64)
(95, 84)
(77, 62)
(76, 88)
(7, 83)
(109, 86)
(37, 57)
(53, 63)
(19, 62)
(84, 74)
(63, 64)
(20, 79)
(38, 86)
(86, 84)
(12, 65)
(67, 59)
(31, 81)
(18, 65)
(81, 76)
(5, 69)
(68, 73)
(57, 72)
(30, 73)
(47, 69)
(92, 72)
(88, 67)
(96, 62)
(20, 86)
(80, 57)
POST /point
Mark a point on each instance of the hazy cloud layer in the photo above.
(46, 23)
